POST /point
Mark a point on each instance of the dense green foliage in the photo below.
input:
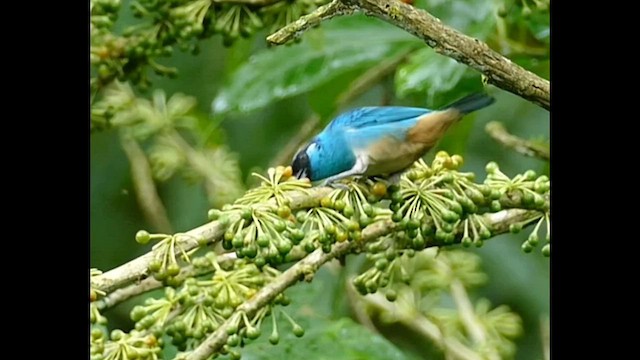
(232, 105)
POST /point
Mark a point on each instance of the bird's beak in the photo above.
(302, 173)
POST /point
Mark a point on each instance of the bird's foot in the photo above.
(394, 179)
(335, 185)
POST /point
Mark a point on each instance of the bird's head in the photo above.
(302, 161)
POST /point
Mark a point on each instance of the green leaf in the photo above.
(324, 54)
(433, 74)
(472, 17)
(323, 339)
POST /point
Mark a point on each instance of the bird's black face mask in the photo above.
(301, 166)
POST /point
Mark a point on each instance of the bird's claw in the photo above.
(335, 185)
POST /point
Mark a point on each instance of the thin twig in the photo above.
(497, 69)
(522, 146)
(467, 314)
(146, 193)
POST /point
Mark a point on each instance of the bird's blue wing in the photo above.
(374, 116)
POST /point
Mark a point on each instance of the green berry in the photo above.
(298, 330)
(391, 295)
(413, 224)
(263, 240)
(274, 338)
(143, 237)
(326, 202)
(213, 214)
(237, 242)
(546, 250)
(253, 333)
(348, 211)
(491, 167)
(418, 242)
(526, 247)
(173, 269)
(495, 206)
(381, 264)
(155, 265)
(466, 241)
(233, 340)
(515, 228)
(284, 211)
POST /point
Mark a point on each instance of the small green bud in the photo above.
(326, 202)
(348, 211)
(237, 241)
(546, 250)
(213, 214)
(143, 237)
(495, 206)
(274, 338)
(263, 240)
(491, 167)
(173, 269)
(284, 211)
(466, 241)
(247, 214)
(530, 175)
(253, 332)
(381, 264)
(298, 330)
(391, 295)
(526, 247)
(515, 228)
(155, 265)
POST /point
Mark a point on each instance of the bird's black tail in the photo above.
(471, 103)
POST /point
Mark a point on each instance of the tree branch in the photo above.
(522, 146)
(150, 283)
(146, 193)
(445, 40)
(136, 269)
(310, 264)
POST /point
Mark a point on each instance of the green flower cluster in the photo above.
(422, 287)
(173, 23)
(281, 222)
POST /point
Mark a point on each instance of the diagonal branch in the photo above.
(146, 192)
(497, 69)
(136, 269)
(522, 146)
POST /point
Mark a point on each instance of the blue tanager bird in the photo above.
(382, 140)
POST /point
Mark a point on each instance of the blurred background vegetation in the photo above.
(251, 100)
